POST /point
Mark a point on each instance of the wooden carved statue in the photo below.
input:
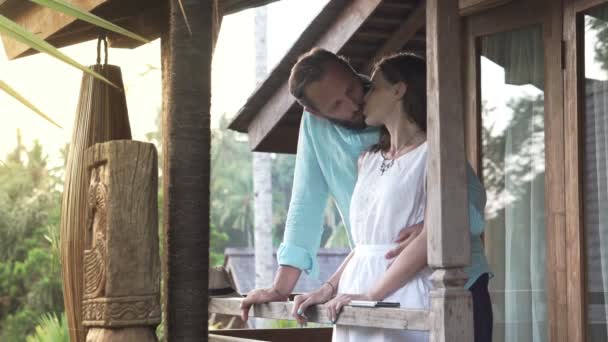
(121, 297)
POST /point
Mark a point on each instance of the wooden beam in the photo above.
(451, 316)
(469, 7)
(414, 22)
(574, 82)
(186, 69)
(388, 318)
(40, 20)
(281, 334)
(232, 6)
(348, 21)
(220, 338)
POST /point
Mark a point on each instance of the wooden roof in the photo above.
(145, 17)
(361, 30)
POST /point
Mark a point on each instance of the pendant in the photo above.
(386, 164)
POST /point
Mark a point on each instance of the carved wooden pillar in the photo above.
(121, 297)
(449, 250)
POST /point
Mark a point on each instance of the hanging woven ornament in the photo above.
(101, 116)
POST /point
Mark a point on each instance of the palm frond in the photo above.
(18, 33)
(73, 11)
(6, 88)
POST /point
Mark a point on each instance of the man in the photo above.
(332, 136)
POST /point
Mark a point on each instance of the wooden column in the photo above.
(186, 65)
(451, 316)
(121, 297)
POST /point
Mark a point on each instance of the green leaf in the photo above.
(17, 32)
(73, 11)
(6, 88)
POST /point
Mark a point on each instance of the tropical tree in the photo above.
(30, 275)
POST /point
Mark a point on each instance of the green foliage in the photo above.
(598, 21)
(50, 328)
(30, 276)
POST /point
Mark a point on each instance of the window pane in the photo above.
(596, 178)
(512, 82)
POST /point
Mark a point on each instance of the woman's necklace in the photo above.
(388, 163)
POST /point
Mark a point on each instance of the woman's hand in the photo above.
(303, 301)
(334, 306)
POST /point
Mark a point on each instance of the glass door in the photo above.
(586, 103)
(514, 83)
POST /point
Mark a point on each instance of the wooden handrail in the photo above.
(388, 318)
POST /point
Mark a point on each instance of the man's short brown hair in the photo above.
(310, 68)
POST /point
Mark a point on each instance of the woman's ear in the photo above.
(400, 89)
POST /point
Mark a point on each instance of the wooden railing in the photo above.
(388, 318)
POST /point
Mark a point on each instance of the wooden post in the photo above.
(451, 316)
(121, 297)
(186, 66)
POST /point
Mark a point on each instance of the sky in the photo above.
(54, 86)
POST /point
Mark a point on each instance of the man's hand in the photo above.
(303, 301)
(405, 237)
(260, 296)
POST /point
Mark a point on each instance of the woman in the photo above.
(390, 193)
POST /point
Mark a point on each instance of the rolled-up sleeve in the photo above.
(477, 202)
(309, 195)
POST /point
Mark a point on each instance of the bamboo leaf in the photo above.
(73, 11)
(6, 88)
(18, 33)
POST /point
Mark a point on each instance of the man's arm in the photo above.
(304, 224)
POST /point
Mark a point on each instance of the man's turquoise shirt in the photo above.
(326, 164)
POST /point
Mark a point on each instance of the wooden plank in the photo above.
(468, 7)
(42, 21)
(388, 318)
(451, 317)
(555, 214)
(581, 5)
(574, 176)
(280, 335)
(406, 31)
(517, 15)
(348, 21)
(472, 97)
(220, 338)
(186, 69)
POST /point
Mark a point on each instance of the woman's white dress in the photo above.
(382, 205)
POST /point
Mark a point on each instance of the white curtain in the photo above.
(514, 170)
(595, 171)
(525, 295)
(596, 207)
